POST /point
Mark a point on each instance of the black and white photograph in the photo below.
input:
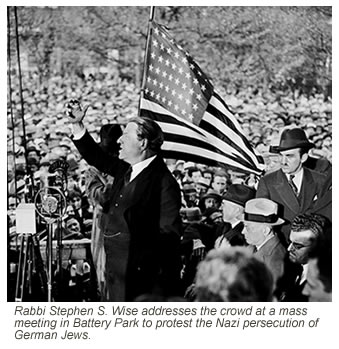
(168, 167)
(169, 154)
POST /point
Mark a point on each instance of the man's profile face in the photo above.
(300, 246)
(314, 287)
(291, 160)
(130, 144)
(254, 233)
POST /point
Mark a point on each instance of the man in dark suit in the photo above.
(233, 204)
(294, 187)
(261, 215)
(305, 231)
(141, 220)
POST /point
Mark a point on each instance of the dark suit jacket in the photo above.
(274, 186)
(272, 254)
(233, 235)
(152, 217)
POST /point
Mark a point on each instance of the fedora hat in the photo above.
(239, 194)
(204, 182)
(188, 189)
(211, 193)
(262, 210)
(193, 215)
(294, 138)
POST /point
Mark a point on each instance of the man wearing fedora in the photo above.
(261, 215)
(233, 204)
(294, 187)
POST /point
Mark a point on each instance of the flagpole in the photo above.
(143, 82)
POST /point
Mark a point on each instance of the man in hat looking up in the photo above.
(294, 187)
(233, 204)
(261, 215)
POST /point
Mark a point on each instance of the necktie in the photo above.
(293, 186)
(127, 175)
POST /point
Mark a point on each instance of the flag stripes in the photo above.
(197, 124)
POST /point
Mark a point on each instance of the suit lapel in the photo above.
(308, 190)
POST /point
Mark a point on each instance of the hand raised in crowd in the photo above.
(75, 111)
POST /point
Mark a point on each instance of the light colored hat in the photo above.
(204, 182)
(262, 210)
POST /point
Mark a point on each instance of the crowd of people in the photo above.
(224, 235)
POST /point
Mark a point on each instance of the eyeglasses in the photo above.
(297, 246)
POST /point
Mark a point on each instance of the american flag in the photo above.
(197, 124)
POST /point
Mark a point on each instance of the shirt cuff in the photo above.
(79, 134)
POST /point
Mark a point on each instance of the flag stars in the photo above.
(187, 101)
(157, 97)
(191, 117)
(160, 59)
(170, 77)
(187, 75)
(152, 93)
(153, 55)
(155, 82)
(180, 70)
(183, 112)
(198, 97)
(177, 81)
(203, 88)
(191, 91)
(180, 96)
(167, 62)
(176, 55)
(183, 60)
(195, 81)
(176, 107)
(149, 79)
(161, 85)
(184, 86)
(174, 66)
(155, 43)
(156, 30)
(169, 50)
(164, 74)
(194, 106)
(173, 93)
(169, 103)
(162, 47)
(192, 66)
(167, 88)
(163, 99)
(151, 67)
(157, 70)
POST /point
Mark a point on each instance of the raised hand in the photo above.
(75, 111)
